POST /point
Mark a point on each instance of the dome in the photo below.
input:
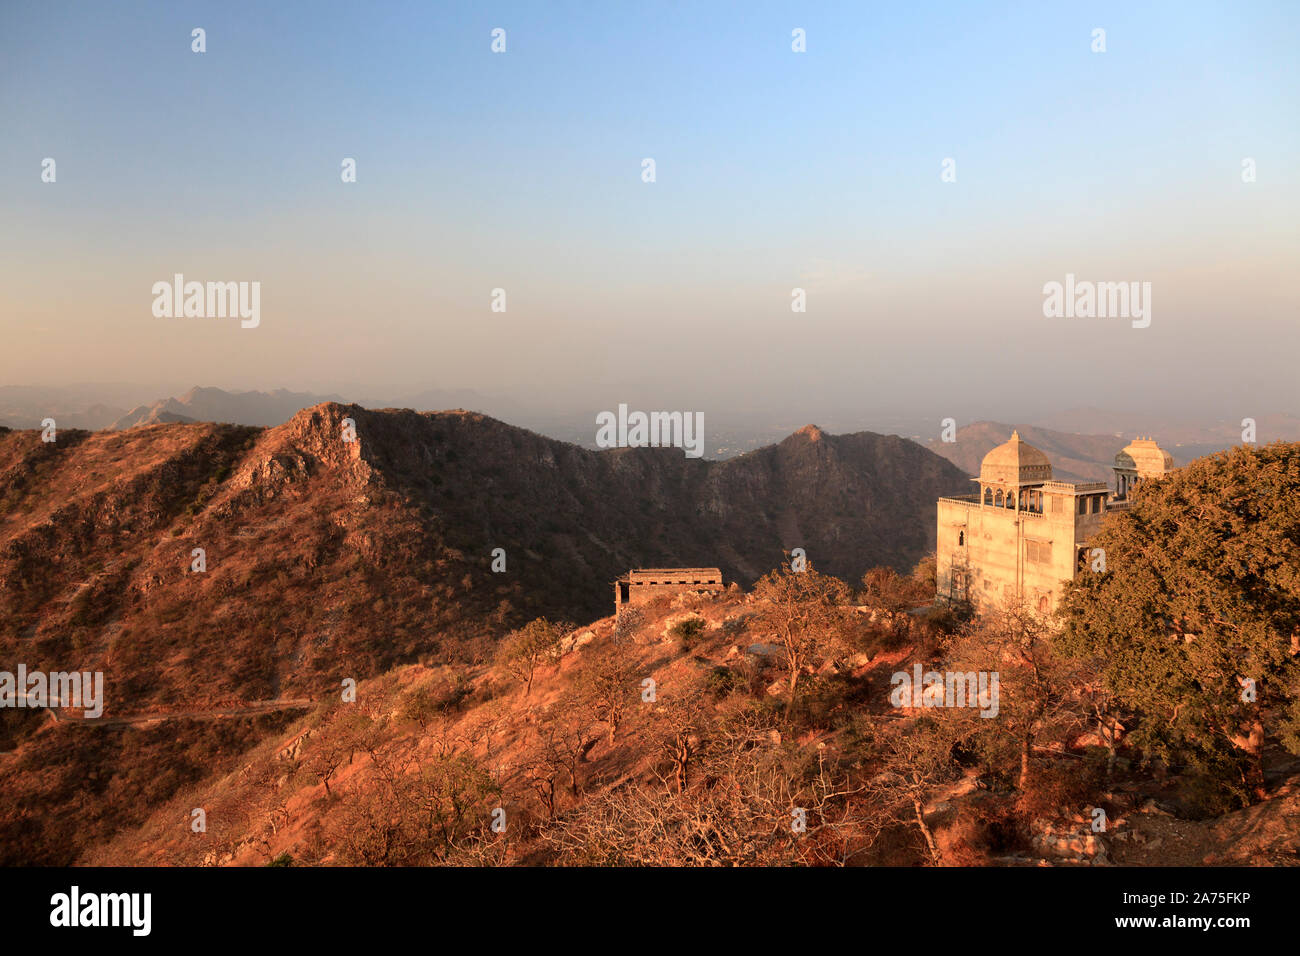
(1145, 457)
(1015, 462)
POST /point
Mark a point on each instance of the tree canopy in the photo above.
(1195, 620)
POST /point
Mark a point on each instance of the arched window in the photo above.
(961, 538)
(998, 500)
(988, 496)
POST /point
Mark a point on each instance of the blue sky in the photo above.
(774, 170)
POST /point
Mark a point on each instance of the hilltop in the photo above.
(327, 560)
(369, 561)
(702, 770)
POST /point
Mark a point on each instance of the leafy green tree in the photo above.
(1195, 620)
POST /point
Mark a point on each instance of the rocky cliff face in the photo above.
(385, 544)
(318, 549)
(203, 566)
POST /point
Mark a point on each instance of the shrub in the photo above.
(688, 631)
(722, 681)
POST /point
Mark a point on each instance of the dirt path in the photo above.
(246, 709)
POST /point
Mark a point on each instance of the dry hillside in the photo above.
(327, 560)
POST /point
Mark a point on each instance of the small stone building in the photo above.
(645, 584)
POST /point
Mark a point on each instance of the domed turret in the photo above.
(1140, 460)
(1011, 475)
(1145, 457)
(1015, 462)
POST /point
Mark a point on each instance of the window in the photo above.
(1056, 504)
(961, 538)
(1083, 504)
(1038, 552)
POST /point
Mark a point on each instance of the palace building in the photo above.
(1023, 535)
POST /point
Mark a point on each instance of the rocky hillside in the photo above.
(315, 547)
(703, 771)
(324, 560)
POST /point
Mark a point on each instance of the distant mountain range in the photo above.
(96, 407)
(1074, 457)
(1081, 442)
(1174, 432)
(218, 405)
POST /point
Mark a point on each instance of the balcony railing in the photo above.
(975, 500)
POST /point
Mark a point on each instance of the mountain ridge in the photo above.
(326, 560)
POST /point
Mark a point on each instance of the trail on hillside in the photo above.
(246, 709)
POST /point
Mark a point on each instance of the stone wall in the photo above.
(998, 550)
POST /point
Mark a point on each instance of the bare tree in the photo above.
(739, 807)
(915, 761)
(628, 622)
(1037, 690)
(567, 733)
(533, 645)
(608, 687)
(807, 615)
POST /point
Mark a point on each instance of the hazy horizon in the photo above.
(775, 170)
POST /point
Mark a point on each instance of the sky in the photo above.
(775, 170)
